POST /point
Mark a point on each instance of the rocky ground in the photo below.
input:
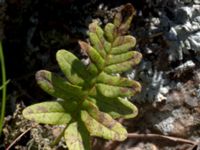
(168, 36)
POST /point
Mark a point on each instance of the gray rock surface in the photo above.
(169, 39)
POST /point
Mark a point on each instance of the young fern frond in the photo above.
(93, 95)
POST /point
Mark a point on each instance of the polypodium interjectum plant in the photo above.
(92, 95)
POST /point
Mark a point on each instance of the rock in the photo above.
(177, 123)
(196, 1)
(183, 14)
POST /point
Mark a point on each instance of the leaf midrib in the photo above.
(102, 70)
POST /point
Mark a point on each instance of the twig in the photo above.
(162, 137)
(18, 138)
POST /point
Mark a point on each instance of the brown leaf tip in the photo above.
(127, 11)
(137, 57)
(40, 75)
(137, 87)
(84, 47)
(92, 26)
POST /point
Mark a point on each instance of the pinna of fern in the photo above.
(93, 96)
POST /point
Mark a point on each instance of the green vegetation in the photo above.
(3, 88)
(92, 96)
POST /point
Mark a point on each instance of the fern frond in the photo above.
(93, 95)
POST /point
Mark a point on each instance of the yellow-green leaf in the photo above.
(115, 59)
(97, 39)
(102, 125)
(123, 44)
(117, 81)
(77, 137)
(115, 107)
(110, 32)
(117, 91)
(54, 113)
(93, 54)
(124, 66)
(72, 67)
(57, 86)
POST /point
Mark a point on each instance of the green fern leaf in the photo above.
(101, 124)
(77, 137)
(57, 86)
(93, 95)
(54, 113)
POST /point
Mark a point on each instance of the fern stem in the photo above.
(58, 138)
(3, 72)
